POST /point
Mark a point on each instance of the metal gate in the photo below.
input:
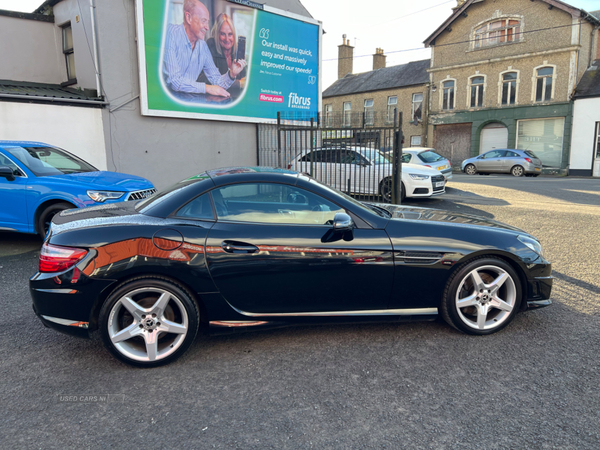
(360, 160)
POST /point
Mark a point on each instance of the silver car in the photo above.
(515, 162)
(427, 157)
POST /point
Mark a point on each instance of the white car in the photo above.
(366, 171)
(427, 157)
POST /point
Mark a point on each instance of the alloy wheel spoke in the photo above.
(499, 282)
(133, 307)
(171, 327)
(482, 312)
(477, 281)
(498, 303)
(467, 301)
(151, 339)
(126, 333)
(161, 304)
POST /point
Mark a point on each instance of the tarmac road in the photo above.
(419, 385)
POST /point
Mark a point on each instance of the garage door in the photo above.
(493, 136)
(453, 142)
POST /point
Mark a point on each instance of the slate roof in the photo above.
(387, 78)
(589, 86)
(43, 91)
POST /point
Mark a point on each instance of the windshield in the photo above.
(375, 156)
(430, 157)
(46, 161)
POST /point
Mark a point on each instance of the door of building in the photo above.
(493, 136)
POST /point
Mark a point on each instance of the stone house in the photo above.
(502, 75)
(368, 99)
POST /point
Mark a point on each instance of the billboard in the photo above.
(233, 60)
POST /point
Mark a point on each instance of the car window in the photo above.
(430, 156)
(494, 154)
(199, 208)
(512, 155)
(530, 154)
(4, 161)
(272, 203)
(406, 157)
(46, 161)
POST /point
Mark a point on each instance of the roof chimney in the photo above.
(345, 56)
(378, 59)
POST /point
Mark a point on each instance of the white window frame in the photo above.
(347, 114)
(390, 107)
(328, 109)
(369, 111)
(413, 142)
(69, 53)
(501, 82)
(484, 42)
(470, 85)
(442, 94)
(534, 79)
(413, 109)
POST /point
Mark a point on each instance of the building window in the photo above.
(544, 137)
(497, 32)
(417, 107)
(448, 94)
(509, 88)
(67, 38)
(415, 141)
(597, 143)
(391, 106)
(477, 86)
(369, 115)
(347, 114)
(328, 115)
(543, 84)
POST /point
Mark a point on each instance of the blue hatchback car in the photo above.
(38, 180)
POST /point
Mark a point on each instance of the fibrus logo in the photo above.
(295, 101)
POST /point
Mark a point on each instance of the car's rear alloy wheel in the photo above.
(470, 169)
(482, 297)
(149, 321)
(517, 171)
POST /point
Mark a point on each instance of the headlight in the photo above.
(532, 244)
(415, 176)
(100, 196)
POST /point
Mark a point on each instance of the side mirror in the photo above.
(342, 222)
(6, 172)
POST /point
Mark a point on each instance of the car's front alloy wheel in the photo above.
(482, 296)
(149, 321)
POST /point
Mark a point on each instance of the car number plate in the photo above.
(538, 169)
(439, 184)
(441, 167)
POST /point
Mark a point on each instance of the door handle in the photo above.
(238, 247)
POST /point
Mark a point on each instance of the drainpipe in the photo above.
(95, 45)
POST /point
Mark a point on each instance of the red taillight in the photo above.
(529, 160)
(58, 259)
(449, 164)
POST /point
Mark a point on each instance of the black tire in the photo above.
(470, 169)
(385, 190)
(157, 329)
(45, 217)
(487, 308)
(517, 171)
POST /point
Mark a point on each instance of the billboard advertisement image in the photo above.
(226, 60)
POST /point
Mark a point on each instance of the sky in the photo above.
(399, 27)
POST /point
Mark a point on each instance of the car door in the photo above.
(13, 198)
(273, 250)
(491, 161)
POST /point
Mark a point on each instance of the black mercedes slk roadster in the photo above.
(255, 247)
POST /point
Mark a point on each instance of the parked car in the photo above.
(254, 247)
(515, 162)
(38, 180)
(427, 157)
(367, 171)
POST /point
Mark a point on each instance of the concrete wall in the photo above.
(78, 130)
(586, 112)
(31, 50)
